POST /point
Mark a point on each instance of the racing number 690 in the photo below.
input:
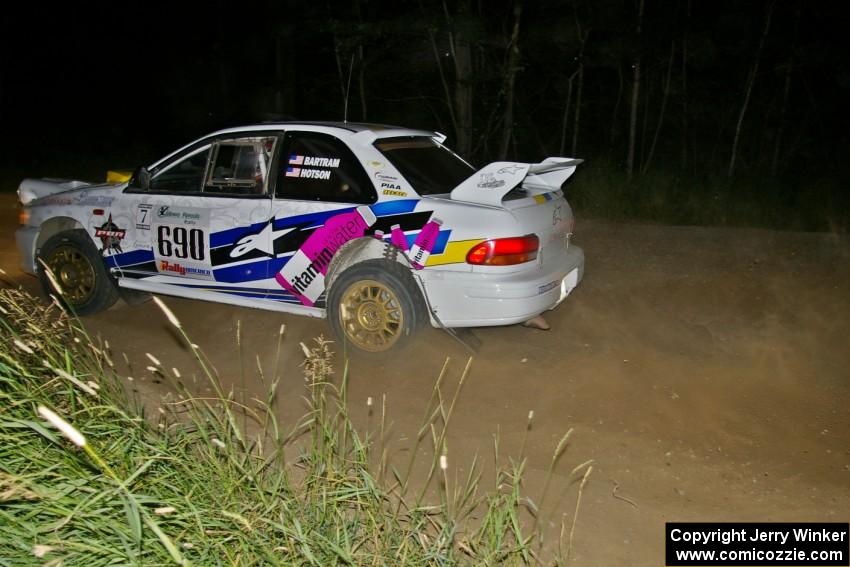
(179, 242)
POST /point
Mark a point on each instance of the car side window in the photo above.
(320, 167)
(184, 176)
(241, 166)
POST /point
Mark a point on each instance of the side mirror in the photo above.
(141, 179)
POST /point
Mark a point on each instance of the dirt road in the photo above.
(706, 371)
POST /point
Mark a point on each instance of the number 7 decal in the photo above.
(143, 216)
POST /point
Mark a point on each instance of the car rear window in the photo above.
(430, 167)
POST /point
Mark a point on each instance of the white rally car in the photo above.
(378, 228)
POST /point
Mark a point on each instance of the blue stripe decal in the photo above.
(442, 240)
(243, 272)
(276, 264)
(394, 207)
(310, 220)
(439, 245)
(129, 258)
(258, 270)
(231, 235)
(255, 270)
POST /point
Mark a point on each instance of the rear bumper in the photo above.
(26, 237)
(482, 300)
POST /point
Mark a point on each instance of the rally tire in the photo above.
(375, 306)
(78, 267)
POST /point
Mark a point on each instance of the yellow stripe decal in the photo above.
(540, 198)
(455, 252)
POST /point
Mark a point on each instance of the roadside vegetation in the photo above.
(87, 479)
(752, 199)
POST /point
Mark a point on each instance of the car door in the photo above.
(194, 219)
(319, 177)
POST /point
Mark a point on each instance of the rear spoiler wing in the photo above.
(492, 182)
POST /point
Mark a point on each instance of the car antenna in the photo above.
(348, 89)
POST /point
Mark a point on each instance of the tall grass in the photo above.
(86, 479)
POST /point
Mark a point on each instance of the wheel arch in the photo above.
(53, 226)
(359, 250)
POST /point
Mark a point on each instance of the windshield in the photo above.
(431, 168)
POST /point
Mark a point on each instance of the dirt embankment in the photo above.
(705, 370)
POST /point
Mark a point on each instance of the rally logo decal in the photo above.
(510, 170)
(489, 181)
(166, 266)
(110, 237)
(263, 241)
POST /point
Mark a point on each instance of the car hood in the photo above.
(65, 190)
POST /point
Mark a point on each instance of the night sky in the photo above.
(88, 85)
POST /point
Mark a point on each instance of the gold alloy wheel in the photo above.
(371, 315)
(73, 272)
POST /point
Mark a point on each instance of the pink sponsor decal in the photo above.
(398, 238)
(424, 243)
(304, 273)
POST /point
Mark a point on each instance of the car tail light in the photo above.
(504, 251)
